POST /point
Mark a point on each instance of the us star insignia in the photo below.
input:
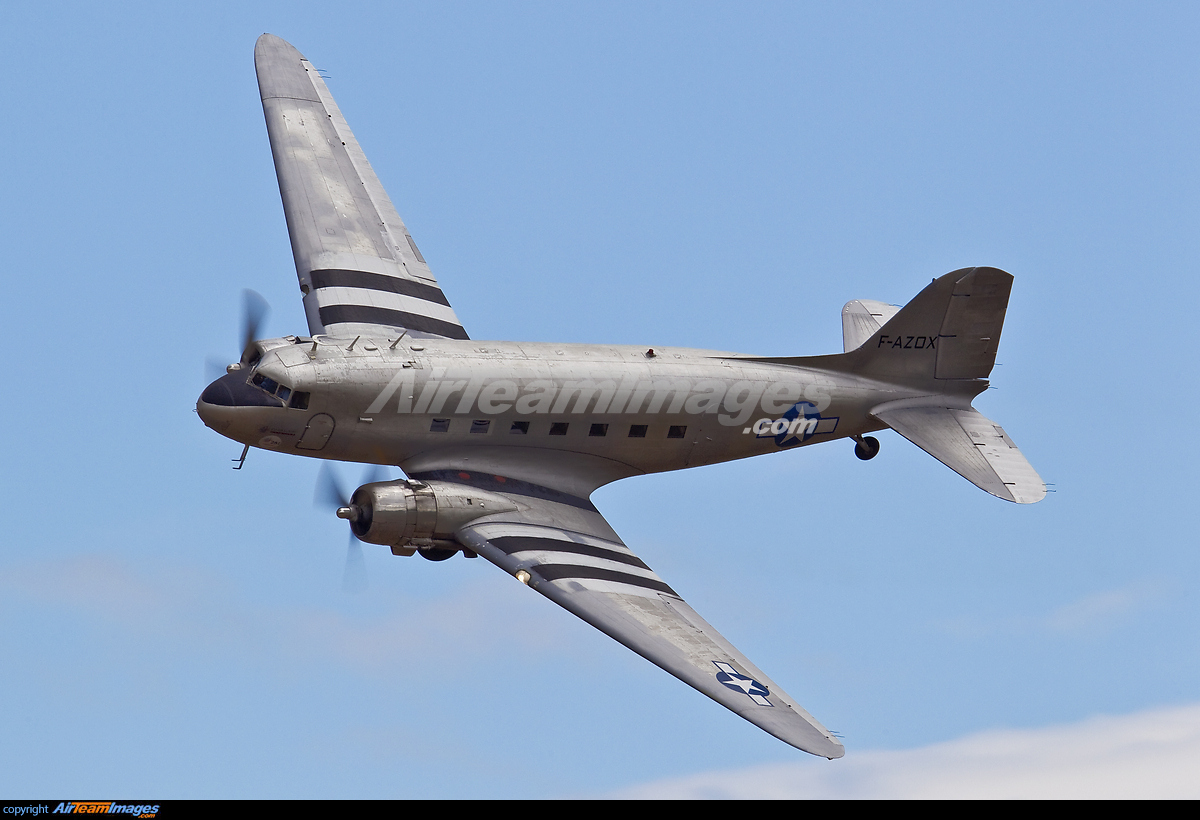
(749, 686)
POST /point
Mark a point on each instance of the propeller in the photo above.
(214, 368)
(254, 313)
(354, 576)
(330, 494)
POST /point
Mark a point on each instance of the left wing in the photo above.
(359, 269)
(563, 548)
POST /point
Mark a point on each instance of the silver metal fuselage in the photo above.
(595, 412)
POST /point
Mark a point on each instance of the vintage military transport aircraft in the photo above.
(503, 443)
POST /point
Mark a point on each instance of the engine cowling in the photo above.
(417, 515)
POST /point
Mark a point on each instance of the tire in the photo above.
(867, 449)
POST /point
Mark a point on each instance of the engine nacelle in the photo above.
(416, 515)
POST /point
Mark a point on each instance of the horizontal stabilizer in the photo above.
(970, 444)
(862, 319)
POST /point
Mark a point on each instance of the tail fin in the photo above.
(950, 330)
(941, 342)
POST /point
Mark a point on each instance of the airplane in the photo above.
(503, 443)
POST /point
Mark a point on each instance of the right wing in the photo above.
(359, 269)
(563, 548)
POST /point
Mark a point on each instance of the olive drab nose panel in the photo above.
(316, 434)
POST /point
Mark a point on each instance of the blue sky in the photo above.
(664, 174)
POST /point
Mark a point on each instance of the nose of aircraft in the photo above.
(232, 390)
(218, 403)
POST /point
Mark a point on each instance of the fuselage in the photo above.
(609, 410)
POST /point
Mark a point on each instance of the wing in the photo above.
(359, 269)
(563, 548)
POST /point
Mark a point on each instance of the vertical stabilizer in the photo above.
(950, 330)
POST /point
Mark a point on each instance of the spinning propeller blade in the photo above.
(330, 494)
(254, 311)
(354, 576)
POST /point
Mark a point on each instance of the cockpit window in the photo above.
(298, 400)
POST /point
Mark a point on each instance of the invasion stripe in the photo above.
(560, 572)
(366, 314)
(384, 299)
(377, 281)
(508, 544)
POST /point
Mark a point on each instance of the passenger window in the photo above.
(480, 426)
(677, 431)
(637, 431)
(558, 428)
(439, 426)
(598, 430)
(519, 428)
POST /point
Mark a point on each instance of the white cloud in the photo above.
(1150, 754)
(1104, 608)
(187, 605)
(1092, 614)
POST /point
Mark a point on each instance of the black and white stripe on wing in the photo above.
(360, 297)
(557, 560)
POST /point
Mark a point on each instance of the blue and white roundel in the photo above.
(739, 682)
(803, 421)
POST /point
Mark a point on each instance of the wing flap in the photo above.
(359, 269)
(972, 445)
(592, 574)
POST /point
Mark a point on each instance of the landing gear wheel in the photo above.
(436, 554)
(867, 448)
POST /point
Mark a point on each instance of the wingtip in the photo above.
(827, 747)
(270, 43)
(281, 70)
